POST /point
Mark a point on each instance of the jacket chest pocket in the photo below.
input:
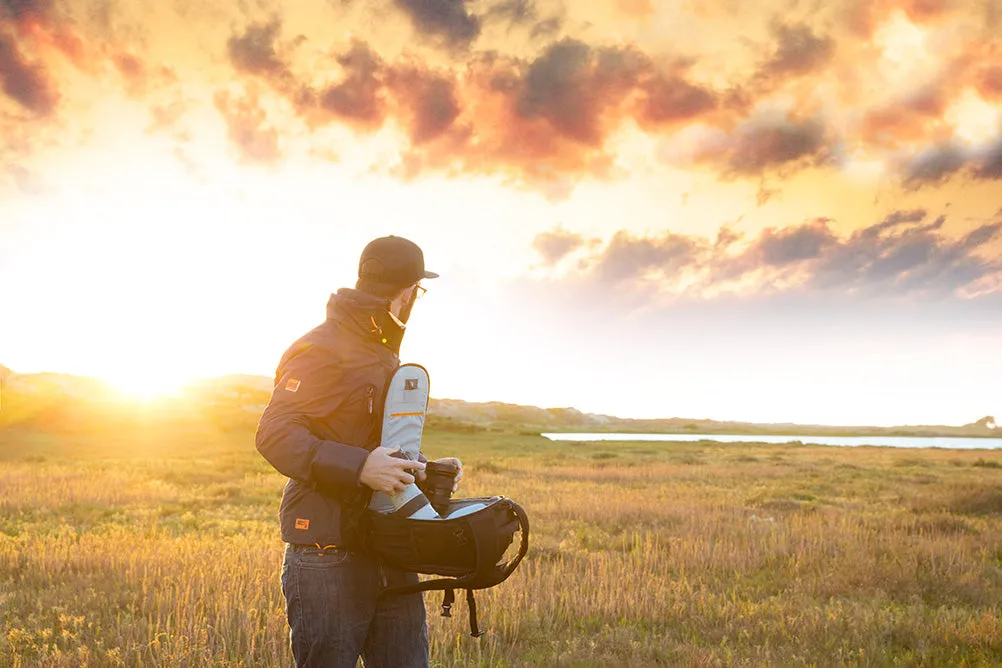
(362, 417)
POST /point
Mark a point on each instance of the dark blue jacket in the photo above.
(324, 418)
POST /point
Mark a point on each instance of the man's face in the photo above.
(404, 302)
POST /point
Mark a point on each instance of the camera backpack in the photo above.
(468, 546)
(468, 550)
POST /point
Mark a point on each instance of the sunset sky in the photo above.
(775, 211)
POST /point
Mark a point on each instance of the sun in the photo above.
(146, 384)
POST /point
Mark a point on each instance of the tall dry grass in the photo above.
(641, 555)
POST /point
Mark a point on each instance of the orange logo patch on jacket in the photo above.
(302, 525)
(292, 385)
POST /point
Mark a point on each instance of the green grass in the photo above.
(160, 547)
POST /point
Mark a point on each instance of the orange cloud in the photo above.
(552, 116)
(426, 99)
(27, 83)
(36, 22)
(246, 124)
(864, 16)
(538, 118)
(990, 83)
(549, 117)
(541, 119)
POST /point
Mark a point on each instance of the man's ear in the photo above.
(400, 293)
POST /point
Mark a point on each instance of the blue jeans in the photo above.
(334, 616)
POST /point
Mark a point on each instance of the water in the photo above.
(956, 443)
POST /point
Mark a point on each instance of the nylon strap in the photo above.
(471, 603)
(412, 506)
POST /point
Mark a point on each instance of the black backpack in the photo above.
(467, 550)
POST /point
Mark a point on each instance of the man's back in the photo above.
(323, 419)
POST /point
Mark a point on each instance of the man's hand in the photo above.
(421, 475)
(385, 473)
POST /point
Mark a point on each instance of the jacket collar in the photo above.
(355, 305)
(367, 315)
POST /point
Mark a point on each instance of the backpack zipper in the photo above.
(370, 394)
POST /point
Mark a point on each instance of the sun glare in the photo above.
(145, 385)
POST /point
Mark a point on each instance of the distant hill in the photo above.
(458, 414)
(71, 403)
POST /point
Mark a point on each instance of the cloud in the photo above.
(937, 164)
(547, 27)
(426, 98)
(247, 130)
(627, 257)
(551, 116)
(254, 51)
(989, 82)
(562, 87)
(798, 51)
(905, 121)
(989, 163)
(445, 20)
(28, 84)
(514, 11)
(763, 144)
(903, 255)
(25, 12)
(358, 98)
(518, 12)
(556, 245)
(546, 119)
(669, 100)
(524, 13)
(805, 242)
(133, 71)
(165, 116)
(537, 119)
(27, 182)
(934, 165)
(863, 17)
(41, 29)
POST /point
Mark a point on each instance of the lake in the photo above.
(957, 443)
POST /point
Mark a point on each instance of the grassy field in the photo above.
(160, 548)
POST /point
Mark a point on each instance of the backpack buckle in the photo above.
(448, 598)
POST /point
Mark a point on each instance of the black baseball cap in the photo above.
(393, 261)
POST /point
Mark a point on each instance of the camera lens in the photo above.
(438, 484)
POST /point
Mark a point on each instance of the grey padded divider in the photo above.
(404, 411)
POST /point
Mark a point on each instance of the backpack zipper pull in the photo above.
(371, 393)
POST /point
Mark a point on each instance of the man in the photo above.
(321, 429)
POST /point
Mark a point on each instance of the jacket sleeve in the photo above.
(308, 386)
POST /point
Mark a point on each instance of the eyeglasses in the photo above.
(419, 292)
